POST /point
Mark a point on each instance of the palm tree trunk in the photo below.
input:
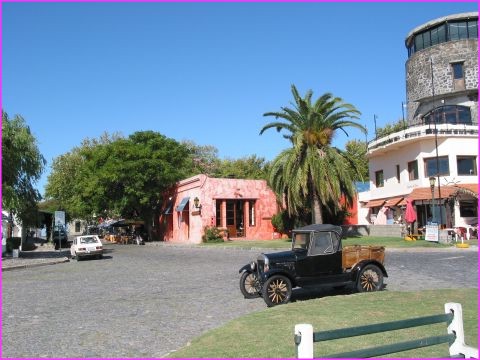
(315, 204)
(317, 217)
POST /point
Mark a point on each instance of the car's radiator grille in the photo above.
(260, 264)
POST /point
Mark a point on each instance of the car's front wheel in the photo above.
(249, 285)
(370, 279)
(277, 290)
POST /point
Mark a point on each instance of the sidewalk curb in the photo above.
(25, 266)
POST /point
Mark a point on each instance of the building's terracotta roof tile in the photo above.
(422, 193)
(394, 201)
(375, 203)
(425, 193)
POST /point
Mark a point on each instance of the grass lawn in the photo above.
(269, 333)
(365, 240)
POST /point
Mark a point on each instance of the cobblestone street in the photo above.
(146, 301)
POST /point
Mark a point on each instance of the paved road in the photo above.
(146, 301)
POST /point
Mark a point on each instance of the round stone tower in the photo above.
(442, 71)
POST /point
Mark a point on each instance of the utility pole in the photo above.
(436, 142)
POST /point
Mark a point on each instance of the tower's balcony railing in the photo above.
(418, 131)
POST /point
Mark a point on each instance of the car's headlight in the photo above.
(266, 264)
(253, 265)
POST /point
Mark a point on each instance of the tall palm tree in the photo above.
(312, 170)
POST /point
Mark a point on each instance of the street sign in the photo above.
(60, 218)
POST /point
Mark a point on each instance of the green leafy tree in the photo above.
(312, 169)
(356, 151)
(64, 182)
(391, 128)
(128, 176)
(249, 167)
(204, 158)
(22, 166)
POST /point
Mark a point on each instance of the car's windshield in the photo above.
(88, 240)
(300, 241)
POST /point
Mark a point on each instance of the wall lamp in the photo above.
(196, 202)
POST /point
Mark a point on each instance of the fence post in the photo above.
(456, 327)
(304, 341)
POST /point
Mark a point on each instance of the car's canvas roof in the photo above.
(321, 227)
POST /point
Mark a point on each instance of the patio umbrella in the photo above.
(410, 213)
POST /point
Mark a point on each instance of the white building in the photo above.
(440, 136)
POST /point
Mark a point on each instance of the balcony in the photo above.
(420, 132)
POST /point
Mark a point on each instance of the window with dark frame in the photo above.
(322, 244)
(397, 167)
(468, 209)
(413, 170)
(467, 165)
(431, 166)
(457, 69)
(449, 114)
(379, 181)
(77, 226)
(230, 212)
(218, 213)
(450, 30)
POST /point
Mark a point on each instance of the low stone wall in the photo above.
(372, 230)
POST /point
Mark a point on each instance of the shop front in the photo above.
(242, 208)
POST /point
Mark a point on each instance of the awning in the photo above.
(182, 204)
(375, 203)
(446, 191)
(394, 201)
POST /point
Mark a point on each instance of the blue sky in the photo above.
(201, 71)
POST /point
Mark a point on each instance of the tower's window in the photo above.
(449, 114)
(450, 30)
(458, 30)
(457, 70)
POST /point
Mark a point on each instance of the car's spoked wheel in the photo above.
(370, 279)
(249, 285)
(277, 290)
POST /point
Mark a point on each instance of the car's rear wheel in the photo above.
(277, 290)
(370, 279)
(249, 285)
(77, 257)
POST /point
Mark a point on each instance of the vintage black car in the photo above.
(316, 259)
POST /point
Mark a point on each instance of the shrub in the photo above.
(282, 222)
(13, 243)
(212, 235)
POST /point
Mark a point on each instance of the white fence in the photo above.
(304, 336)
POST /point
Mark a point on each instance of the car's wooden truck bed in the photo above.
(353, 254)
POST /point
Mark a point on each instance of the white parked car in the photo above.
(86, 246)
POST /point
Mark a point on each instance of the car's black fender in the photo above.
(245, 268)
(356, 269)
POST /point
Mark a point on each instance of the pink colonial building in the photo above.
(243, 207)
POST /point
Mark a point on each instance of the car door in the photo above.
(323, 263)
